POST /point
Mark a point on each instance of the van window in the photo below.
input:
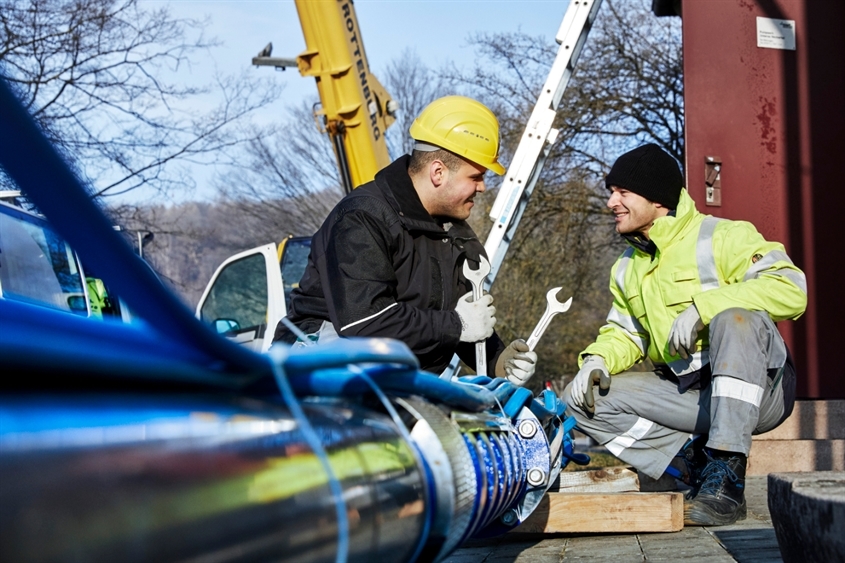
(238, 297)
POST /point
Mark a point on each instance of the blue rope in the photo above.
(279, 354)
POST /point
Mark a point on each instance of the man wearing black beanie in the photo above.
(698, 296)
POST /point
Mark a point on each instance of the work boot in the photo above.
(720, 499)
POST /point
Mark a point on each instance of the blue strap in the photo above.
(518, 400)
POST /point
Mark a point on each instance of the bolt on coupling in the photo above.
(536, 476)
(527, 429)
(509, 517)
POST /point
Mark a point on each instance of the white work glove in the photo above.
(684, 332)
(477, 317)
(592, 371)
(516, 363)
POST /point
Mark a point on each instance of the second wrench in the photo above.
(553, 307)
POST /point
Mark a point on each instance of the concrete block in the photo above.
(811, 420)
(773, 456)
(808, 515)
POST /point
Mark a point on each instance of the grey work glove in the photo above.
(684, 332)
(516, 363)
(477, 317)
(593, 371)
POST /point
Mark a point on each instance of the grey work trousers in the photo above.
(644, 419)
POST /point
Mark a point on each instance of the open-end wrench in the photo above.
(476, 278)
(553, 307)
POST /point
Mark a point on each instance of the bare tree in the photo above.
(414, 85)
(279, 185)
(627, 88)
(284, 184)
(101, 78)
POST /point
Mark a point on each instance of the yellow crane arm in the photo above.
(356, 109)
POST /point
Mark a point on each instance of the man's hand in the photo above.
(516, 363)
(477, 317)
(684, 332)
(592, 371)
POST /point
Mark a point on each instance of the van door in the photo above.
(245, 298)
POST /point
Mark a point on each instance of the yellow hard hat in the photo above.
(463, 126)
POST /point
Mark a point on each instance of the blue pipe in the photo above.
(322, 370)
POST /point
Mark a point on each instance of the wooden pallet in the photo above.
(604, 501)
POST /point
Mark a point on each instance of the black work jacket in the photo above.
(380, 265)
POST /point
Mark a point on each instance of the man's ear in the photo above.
(661, 209)
(437, 173)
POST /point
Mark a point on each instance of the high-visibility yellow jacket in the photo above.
(715, 263)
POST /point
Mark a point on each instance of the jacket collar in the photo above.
(667, 229)
(393, 180)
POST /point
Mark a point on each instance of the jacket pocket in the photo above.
(680, 290)
(635, 302)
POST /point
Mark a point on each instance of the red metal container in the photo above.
(765, 140)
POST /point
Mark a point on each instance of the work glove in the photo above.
(516, 363)
(592, 371)
(684, 332)
(477, 317)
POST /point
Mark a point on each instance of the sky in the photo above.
(437, 30)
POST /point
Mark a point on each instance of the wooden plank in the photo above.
(606, 480)
(606, 513)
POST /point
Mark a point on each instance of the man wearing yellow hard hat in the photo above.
(388, 261)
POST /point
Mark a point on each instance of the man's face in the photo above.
(455, 199)
(633, 213)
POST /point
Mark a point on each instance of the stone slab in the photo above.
(785, 456)
(811, 420)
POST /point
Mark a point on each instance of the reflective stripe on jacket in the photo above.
(715, 263)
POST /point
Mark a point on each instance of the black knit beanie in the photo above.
(650, 172)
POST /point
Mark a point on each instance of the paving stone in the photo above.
(689, 543)
(508, 549)
(722, 558)
(530, 557)
(607, 548)
(464, 558)
(748, 541)
(552, 543)
(749, 545)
